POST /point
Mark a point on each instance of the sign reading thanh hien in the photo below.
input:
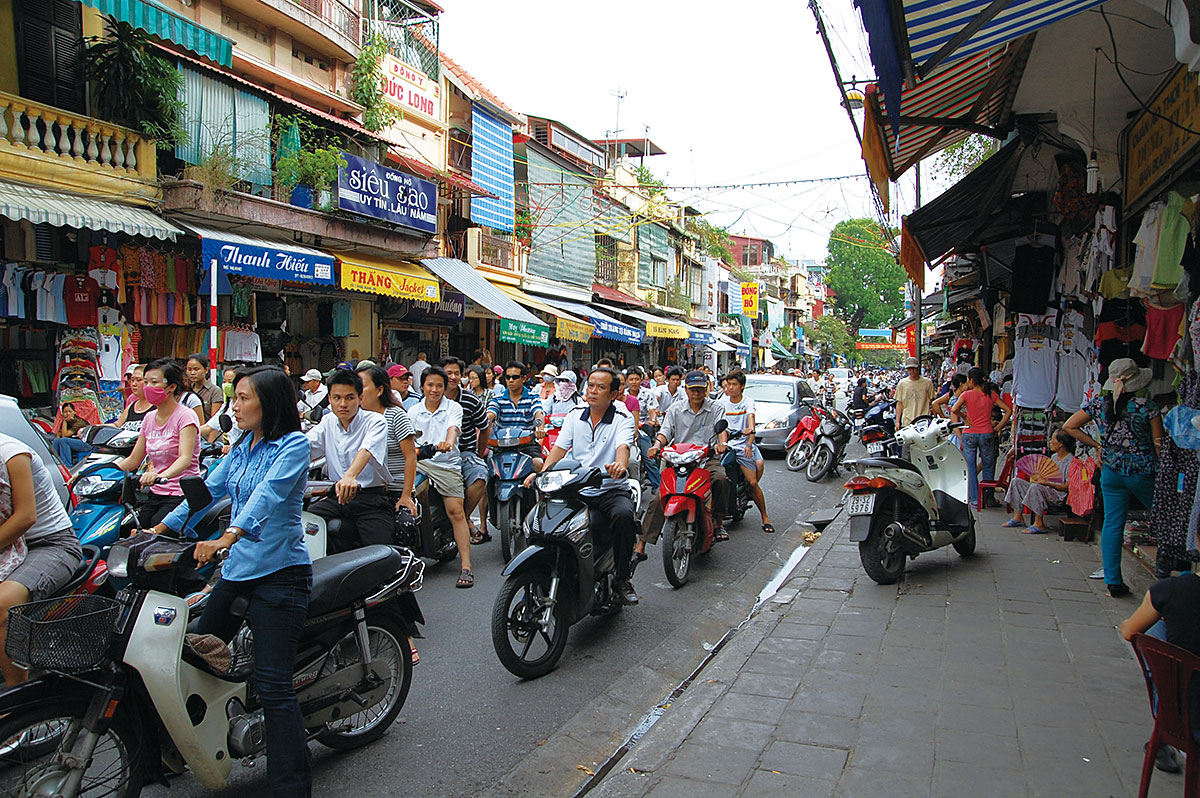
(1155, 144)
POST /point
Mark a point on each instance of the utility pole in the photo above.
(620, 95)
(918, 300)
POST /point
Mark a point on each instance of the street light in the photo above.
(855, 100)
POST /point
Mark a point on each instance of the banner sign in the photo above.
(370, 189)
(1160, 137)
(750, 299)
(271, 263)
(568, 330)
(874, 332)
(360, 277)
(520, 332)
(702, 337)
(873, 345)
(447, 311)
(662, 329)
(410, 90)
(616, 331)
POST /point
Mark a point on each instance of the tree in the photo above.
(954, 162)
(864, 275)
(714, 240)
(829, 335)
(653, 187)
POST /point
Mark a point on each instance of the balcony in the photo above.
(486, 252)
(313, 23)
(47, 145)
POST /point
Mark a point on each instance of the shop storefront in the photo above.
(611, 338)
(566, 329)
(413, 313)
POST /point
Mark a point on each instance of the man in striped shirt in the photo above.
(518, 406)
(472, 442)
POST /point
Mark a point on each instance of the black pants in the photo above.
(370, 511)
(613, 519)
(276, 613)
(156, 508)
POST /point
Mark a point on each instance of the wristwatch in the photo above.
(233, 530)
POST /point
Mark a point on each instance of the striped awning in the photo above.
(169, 26)
(972, 95)
(42, 206)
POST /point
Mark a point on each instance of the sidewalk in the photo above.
(998, 675)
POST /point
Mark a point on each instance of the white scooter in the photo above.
(899, 509)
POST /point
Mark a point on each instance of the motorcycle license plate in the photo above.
(862, 504)
(874, 448)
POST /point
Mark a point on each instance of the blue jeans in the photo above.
(650, 467)
(1117, 490)
(276, 613)
(983, 445)
(68, 448)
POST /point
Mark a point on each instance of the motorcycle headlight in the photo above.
(683, 458)
(118, 561)
(93, 486)
(553, 481)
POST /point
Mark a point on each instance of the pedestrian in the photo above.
(198, 383)
(979, 441)
(401, 381)
(914, 394)
(477, 382)
(419, 365)
(1131, 431)
(315, 393)
(69, 447)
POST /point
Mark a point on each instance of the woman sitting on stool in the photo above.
(1038, 493)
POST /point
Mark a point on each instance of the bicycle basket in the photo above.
(68, 634)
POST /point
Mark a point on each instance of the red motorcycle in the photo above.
(554, 425)
(687, 497)
(803, 441)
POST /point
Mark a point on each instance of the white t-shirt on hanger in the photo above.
(1073, 362)
(1035, 361)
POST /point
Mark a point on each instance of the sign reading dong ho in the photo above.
(411, 90)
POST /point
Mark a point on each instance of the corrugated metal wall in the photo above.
(563, 216)
(652, 243)
(492, 168)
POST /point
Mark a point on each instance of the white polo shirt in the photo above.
(596, 447)
(435, 425)
(341, 445)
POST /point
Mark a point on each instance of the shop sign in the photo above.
(520, 332)
(410, 90)
(271, 263)
(660, 329)
(742, 351)
(874, 332)
(449, 310)
(879, 345)
(1156, 144)
(568, 330)
(370, 189)
(702, 337)
(750, 299)
(388, 283)
(616, 331)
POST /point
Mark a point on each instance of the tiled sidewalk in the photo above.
(1002, 674)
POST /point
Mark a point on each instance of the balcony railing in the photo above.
(75, 140)
(482, 249)
(338, 14)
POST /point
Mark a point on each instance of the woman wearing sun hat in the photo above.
(1132, 430)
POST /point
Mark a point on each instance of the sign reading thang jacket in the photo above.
(371, 189)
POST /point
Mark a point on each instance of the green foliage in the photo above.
(316, 168)
(786, 336)
(714, 241)
(132, 86)
(368, 85)
(954, 162)
(218, 173)
(864, 275)
(653, 187)
(524, 227)
(678, 296)
(830, 335)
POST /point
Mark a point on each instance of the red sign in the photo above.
(873, 345)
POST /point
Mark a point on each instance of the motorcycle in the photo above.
(802, 441)
(879, 430)
(832, 437)
(118, 698)
(686, 496)
(554, 425)
(900, 509)
(562, 577)
(508, 498)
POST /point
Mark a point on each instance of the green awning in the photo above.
(778, 351)
(168, 26)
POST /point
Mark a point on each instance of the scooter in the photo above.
(802, 441)
(900, 509)
(562, 577)
(120, 698)
(832, 437)
(686, 496)
(879, 430)
(739, 488)
(508, 498)
(554, 426)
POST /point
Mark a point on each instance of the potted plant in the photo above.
(309, 175)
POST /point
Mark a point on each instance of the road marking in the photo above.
(782, 574)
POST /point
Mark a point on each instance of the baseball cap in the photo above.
(550, 371)
(311, 374)
(912, 363)
(364, 363)
(497, 370)
(397, 370)
(343, 366)
(695, 379)
(567, 376)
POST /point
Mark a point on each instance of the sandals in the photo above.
(465, 579)
(720, 535)
(769, 529)
(1035, 530)
(479, 535)
(1013, 523)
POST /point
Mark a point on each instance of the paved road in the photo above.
(468, 721)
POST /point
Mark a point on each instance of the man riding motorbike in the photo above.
(518, 406)
(601, 436)
(690, 422)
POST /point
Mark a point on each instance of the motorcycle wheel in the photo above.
(884, 566)
(388, 639)
(820, 464)
(799, 455)
(676, 553)
(741, 503)
(29, 747)
(512, 535)
(524, 648)
(965, 546)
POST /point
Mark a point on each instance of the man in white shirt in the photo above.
(439, 421)
(664, 395)
(418, 367)
(601, 436)
(354, 444)
(314, 393)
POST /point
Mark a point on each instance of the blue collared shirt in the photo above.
(522, 414)
(266, 485)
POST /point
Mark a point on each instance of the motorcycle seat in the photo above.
(340, 579)
(888, 462)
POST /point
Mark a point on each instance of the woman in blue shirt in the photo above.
(265, 474)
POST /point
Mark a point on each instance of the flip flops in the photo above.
(1033, 530)
(465, 579)
(1013, 523)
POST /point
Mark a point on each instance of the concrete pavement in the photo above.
(1002, 674)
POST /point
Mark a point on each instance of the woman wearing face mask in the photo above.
(566, 395)
(131, 417)
(170, 438)
(211, 430)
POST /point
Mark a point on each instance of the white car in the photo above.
(843, 379)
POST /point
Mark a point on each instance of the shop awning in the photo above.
(388, 278)
(666, 327)
(721, 346)
(260, 257)
(42, 206)
(613, 295)
(960, 212)
(568, 326)
(782, 353)
(169, 26)
(517, 325)
(605, 326)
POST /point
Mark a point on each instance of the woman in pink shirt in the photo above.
(979, 438)
(170, 440)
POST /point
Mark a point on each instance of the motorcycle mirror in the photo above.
(720, 426)
(129, 490)
(90, 437)
(316, 413)
(595, 478)
(196, 493)
(225, 422)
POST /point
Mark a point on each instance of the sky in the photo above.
(735, 93)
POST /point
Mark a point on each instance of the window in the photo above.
(575, 147)
(606, 260)
(697, 285)
(461, 145)
(658, 272)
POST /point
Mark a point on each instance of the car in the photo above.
(14, 423)
(777, 407)
(843, 379)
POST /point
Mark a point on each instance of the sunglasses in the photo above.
(514, 376)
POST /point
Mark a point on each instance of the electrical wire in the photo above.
(1116, 67)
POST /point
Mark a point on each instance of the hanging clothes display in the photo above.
(1074, 361)
(1033, 270)
(1036, 360)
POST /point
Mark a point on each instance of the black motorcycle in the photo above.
(879, 430)
(832, 437)
(563, 576)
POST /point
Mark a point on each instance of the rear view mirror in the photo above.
(225, 422)
(720, 426)
(90, 436)
(196, 493)
(595, 478)
(315, 414)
